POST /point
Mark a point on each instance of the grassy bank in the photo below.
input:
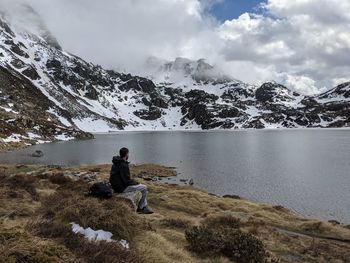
(37, 204)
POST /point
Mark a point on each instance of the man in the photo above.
(122, 183)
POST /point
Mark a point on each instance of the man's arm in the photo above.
(125, 174)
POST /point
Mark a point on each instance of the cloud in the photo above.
(307, 41)
(304, 44)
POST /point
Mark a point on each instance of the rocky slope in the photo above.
(47, 94)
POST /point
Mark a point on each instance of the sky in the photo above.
(230, 9)
(303, 44)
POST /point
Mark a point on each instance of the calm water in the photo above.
(307, 171)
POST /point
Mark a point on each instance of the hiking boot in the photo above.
(146, 211)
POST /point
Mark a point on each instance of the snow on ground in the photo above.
(33, 136)
(63, 120)
(13, 138)
(92, 125)
(63, 137)
(97, 235)
(8, 109)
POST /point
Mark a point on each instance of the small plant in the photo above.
(232, 243)
(205, 241)
(244, 248)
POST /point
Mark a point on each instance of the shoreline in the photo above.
(10, 147)
(217, 130)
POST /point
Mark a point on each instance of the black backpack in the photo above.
(101, 190)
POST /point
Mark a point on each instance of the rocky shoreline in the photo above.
(54, 196)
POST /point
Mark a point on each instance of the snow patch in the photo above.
(13, 138)
(63, 137)
(93, 125)
(97, 235)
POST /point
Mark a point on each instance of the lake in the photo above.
(307, 171)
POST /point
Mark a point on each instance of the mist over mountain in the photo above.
(281, 43)
(66, 97)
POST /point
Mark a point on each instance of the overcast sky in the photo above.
(304, 44)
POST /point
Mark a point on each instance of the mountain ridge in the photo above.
(78, 97)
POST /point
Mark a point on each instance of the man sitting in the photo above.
(122, 183)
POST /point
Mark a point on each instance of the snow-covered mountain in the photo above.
(47, 94)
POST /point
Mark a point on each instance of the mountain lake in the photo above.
(306, 170)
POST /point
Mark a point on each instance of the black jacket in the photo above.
(120, 175)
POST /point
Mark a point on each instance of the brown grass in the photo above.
(114, 215)
(80, 247)
(35, 213)
(224, 221)
(176, 223)
(18, 182)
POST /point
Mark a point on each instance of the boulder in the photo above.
(151, 114)
(133, 197)
(38, 154)
(91, 93)
(31, 73)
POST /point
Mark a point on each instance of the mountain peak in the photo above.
(181, 69)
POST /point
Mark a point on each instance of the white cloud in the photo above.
(304, 44)
(307, 41)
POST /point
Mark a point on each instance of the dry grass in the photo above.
(83, 249)
(114, 215)
(35, 213)
(21, 247)
(225, 221)
(176, 223)
(35, 227)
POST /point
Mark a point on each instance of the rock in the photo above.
(47, 174)
(232, 196)
(37, 154)
(54, 166)
(228, 113)
(159, 102)
(91, 93)
(53, 64)
(164, 198)
(334, 222)
(16, 49)
(133, 197)
(152, 113)
(88, 177)
(70, 176)
(269, 91)
(20, 166)
(31, 173)
(31, 73)
(280, 208)
(191, 182)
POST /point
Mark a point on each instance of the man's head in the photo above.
(124, 153)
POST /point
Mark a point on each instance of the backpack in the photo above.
(101, 190)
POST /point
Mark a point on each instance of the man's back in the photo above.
(120, 175)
